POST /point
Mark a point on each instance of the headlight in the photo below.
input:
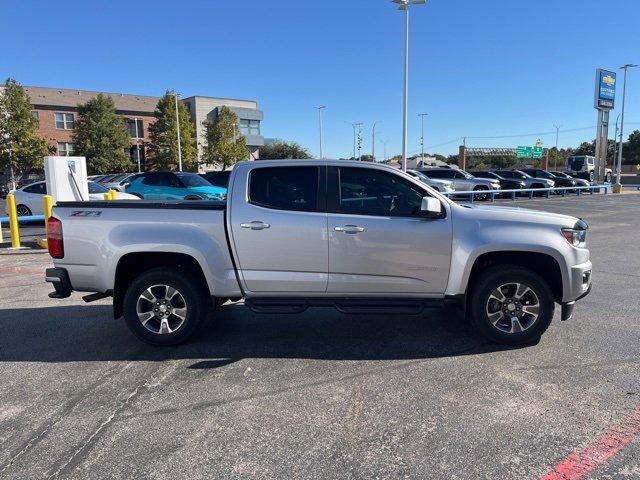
(577, 238)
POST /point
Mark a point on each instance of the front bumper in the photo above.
(579, 288)
(59, 277)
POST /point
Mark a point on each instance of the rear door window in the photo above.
(285, 188)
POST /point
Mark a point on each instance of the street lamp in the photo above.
(624, 88)
(354, 137)
(404, 5)
(320, 108)
(422, 115)
(555, 157)
(384, 142)
(373, 141)
(137, 144)
(175, 95)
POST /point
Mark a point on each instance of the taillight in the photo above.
(55, 244)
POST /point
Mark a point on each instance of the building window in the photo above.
(66, 149)
(36, 114)
(249, 127)
(131, 124)
(64, 121)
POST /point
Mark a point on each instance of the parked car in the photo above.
(106, 178)
(174, 186)
(580, 182)
(372, 239)
(530, 182)
(462, 181)
(558, 181)
(438, 185)
(584, 166)
(119, 182)
(29, 197)
(218, 178)
(505, 183)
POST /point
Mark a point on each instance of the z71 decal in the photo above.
(86, 213)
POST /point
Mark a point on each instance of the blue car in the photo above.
(174, 186)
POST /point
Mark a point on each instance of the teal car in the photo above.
(174, 186)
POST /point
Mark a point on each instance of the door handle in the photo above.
(349, 229)
(255, 225)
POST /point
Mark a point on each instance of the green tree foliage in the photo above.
(631, 149)
(281, 149)
(101, 136)
(21, 149)
(163, 136)
(225, 145)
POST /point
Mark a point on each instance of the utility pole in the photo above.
(175, 95)
(615, 144)
(373, 141)
(555, 157)
(624, 88)
(422, 115)
(320, 108)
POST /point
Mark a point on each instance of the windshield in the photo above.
(575, 163)
(420, 175)
(192, 180)
(96, 188)
(465, 174)
(544, 174)
(519, 174)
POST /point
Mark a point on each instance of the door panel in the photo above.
(281, 244)
(379, 243)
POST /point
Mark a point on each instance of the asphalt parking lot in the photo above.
(324, 395)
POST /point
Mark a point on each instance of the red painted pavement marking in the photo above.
(22, 270)
(580, 462)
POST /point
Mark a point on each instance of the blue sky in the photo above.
(478, 68)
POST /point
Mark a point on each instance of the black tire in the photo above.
(23, 211)
(481, 196)
(193, 197)
(607, 177)
(193, 296)
(488, 282)
(592, 176)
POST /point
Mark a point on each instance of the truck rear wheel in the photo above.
(511, 305)
(164, 306)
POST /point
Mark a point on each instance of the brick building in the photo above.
(57, 110)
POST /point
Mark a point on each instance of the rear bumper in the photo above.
(59, 277)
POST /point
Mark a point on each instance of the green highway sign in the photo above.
(524, 152)
(529, 152)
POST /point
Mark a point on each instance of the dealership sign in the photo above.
(605, 93)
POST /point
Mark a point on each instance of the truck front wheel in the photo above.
(511, 305)
(164, 306)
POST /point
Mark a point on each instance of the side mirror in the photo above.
(431, 207)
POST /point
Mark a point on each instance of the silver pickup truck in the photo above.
(360, 237)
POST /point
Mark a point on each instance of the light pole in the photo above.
(353, 125)
(615, 145)
(137, 144)
(555, 157)
(422, 115)
(175, 95)
(373, 141)
(404, 5)
(359, 125)
(320, 108)
(624, 92)
(384, 142)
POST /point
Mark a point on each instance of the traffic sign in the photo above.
(537, 152)
(524, 152)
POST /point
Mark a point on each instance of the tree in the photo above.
(281, 149)
(21, 149)
(225, 145)
(163, 136)
(631, 149)
(101, 136)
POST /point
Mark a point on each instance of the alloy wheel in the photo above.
(513, 307)
(161, 309)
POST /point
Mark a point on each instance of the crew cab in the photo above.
(361, 237)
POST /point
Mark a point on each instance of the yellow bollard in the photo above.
(47, 204)
(112, 192)
(13, 221)
(107, 196)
